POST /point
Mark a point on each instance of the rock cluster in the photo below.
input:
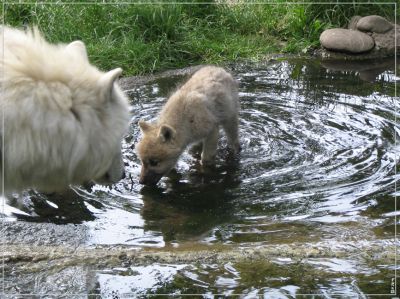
(370, 34)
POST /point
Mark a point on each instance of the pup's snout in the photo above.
(148, 182)
(149, 178)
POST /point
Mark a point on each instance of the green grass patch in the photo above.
(143, 38)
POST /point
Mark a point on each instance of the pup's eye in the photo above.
(153, 162)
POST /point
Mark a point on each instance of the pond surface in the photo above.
(318, 166)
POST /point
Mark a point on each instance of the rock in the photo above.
(345, 40)
(374, 23)
(343, 44)
(386, 41)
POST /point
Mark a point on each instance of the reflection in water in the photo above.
(318, 162)
(279, 278)
(367, 70)
(127, 282)
(59, 208)
(192, 204)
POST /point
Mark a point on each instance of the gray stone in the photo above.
(374, 23)
(345, 40)
(386, 41)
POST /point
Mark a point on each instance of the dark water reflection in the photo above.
(318, 162)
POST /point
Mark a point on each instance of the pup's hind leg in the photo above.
(231, 129)
(210, 144)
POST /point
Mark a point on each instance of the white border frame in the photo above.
(189, 3)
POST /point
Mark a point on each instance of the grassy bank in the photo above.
(143, 38)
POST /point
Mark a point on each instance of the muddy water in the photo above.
(308, 207)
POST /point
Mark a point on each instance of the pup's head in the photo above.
(158, 151)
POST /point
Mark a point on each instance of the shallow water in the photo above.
(318, 164)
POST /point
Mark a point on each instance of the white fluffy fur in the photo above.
(63, 118)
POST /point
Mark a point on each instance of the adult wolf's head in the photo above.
(158, 151)
(64, 119)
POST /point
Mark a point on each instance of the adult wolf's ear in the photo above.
(108, 79)
(166, 133)
(144, 126)
(79, 47)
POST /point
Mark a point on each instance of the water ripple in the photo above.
(317, 146)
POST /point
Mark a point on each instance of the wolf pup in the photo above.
(192, 114)
(62, 119)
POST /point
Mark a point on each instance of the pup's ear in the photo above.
(79, 47)
(144, 126)
(166, 133)
(108, 79)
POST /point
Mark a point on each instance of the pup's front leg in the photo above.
(210, 144)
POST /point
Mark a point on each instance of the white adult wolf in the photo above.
(62, 119)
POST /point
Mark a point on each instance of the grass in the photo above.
(144, 38)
